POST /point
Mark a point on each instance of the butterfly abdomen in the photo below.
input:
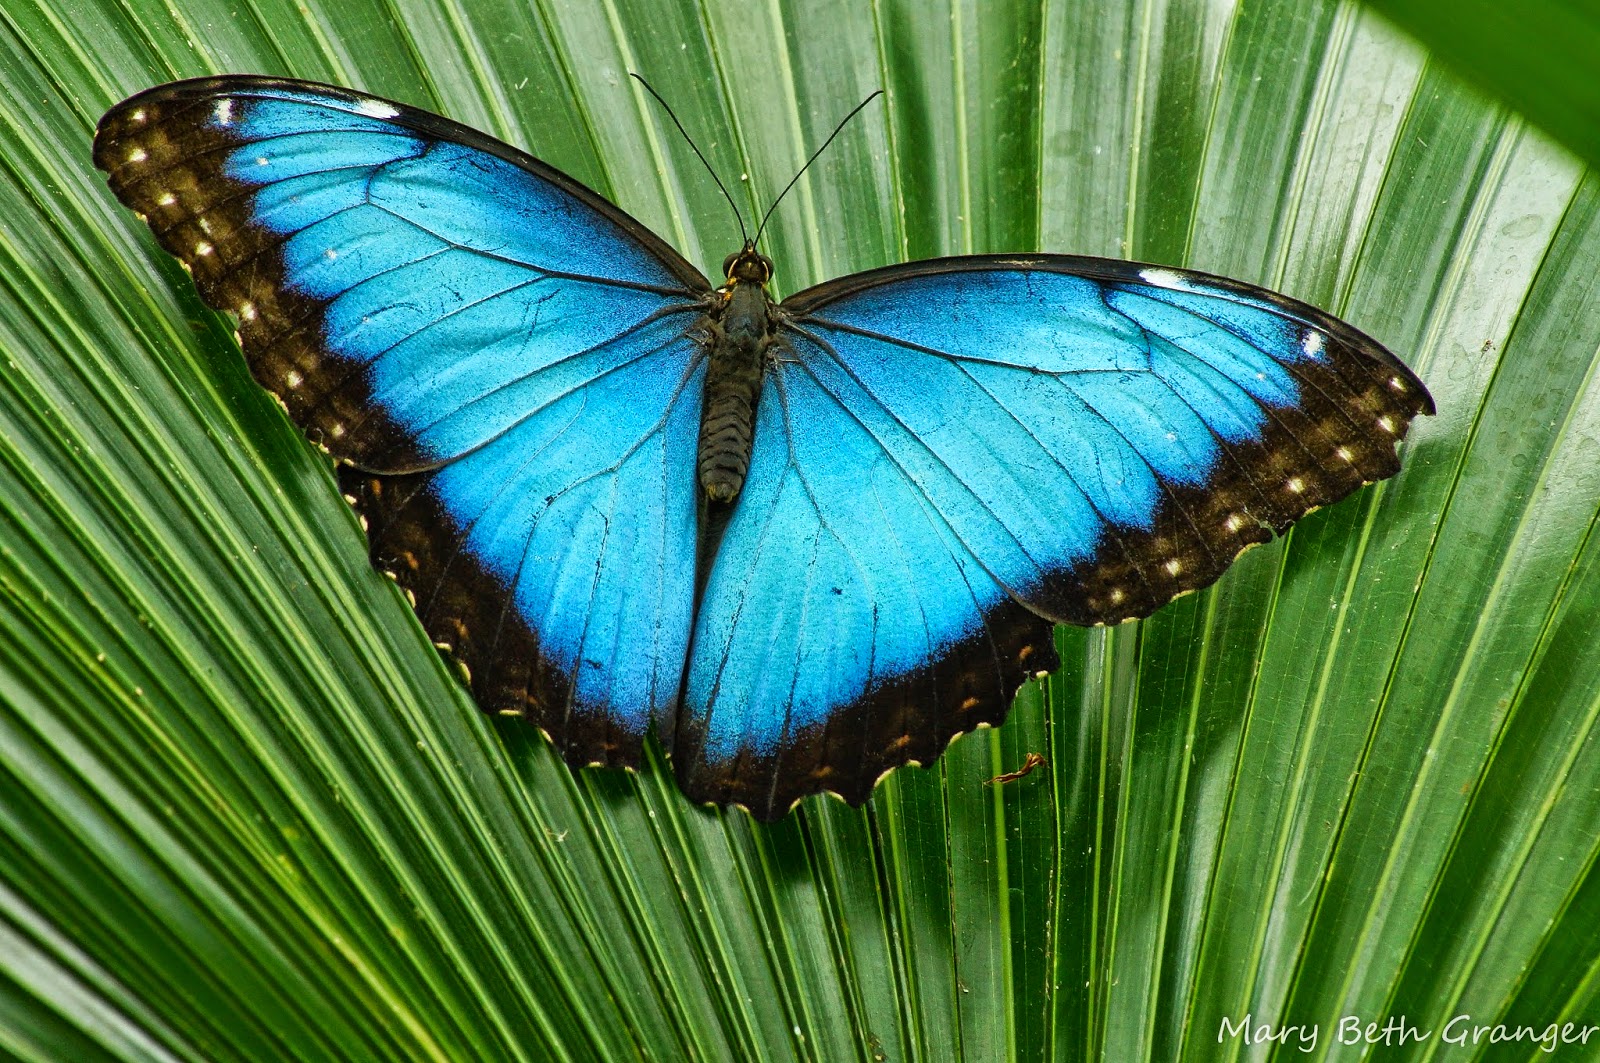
(736, 351)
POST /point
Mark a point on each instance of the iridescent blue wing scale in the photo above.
(951, 456)
(504, 364)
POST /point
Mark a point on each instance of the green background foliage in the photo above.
(245, 813)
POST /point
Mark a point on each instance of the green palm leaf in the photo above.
(245, 813)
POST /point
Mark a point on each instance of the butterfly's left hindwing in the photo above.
(952, 455)
(847, 627)
(502, 360)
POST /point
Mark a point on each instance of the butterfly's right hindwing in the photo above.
(504, 362)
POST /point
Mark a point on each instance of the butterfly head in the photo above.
(747, 264)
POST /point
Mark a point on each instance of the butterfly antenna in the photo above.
(837, 130)
(743, 232)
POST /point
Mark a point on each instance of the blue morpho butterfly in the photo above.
(806, 541)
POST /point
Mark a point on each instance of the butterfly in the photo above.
(804, 542)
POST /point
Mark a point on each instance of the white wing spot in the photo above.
(1163, 278)
(293, 378)
(1344, 453)
(138, 116)
(331, 254)
(1313, 343)
(1173, 567)
(224, 112)
(1233, 523)
(203, 248)
(1117, 596)
(1386, 423)
(247, 311)
(376, 109)
(138, 155)
(1398, 384)
(1296, 484)
(167, 199)
(261, 160)
(337, 431)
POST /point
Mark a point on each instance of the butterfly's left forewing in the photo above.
(502, 361)
(951, 456)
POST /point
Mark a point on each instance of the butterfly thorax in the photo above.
(739, 330)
